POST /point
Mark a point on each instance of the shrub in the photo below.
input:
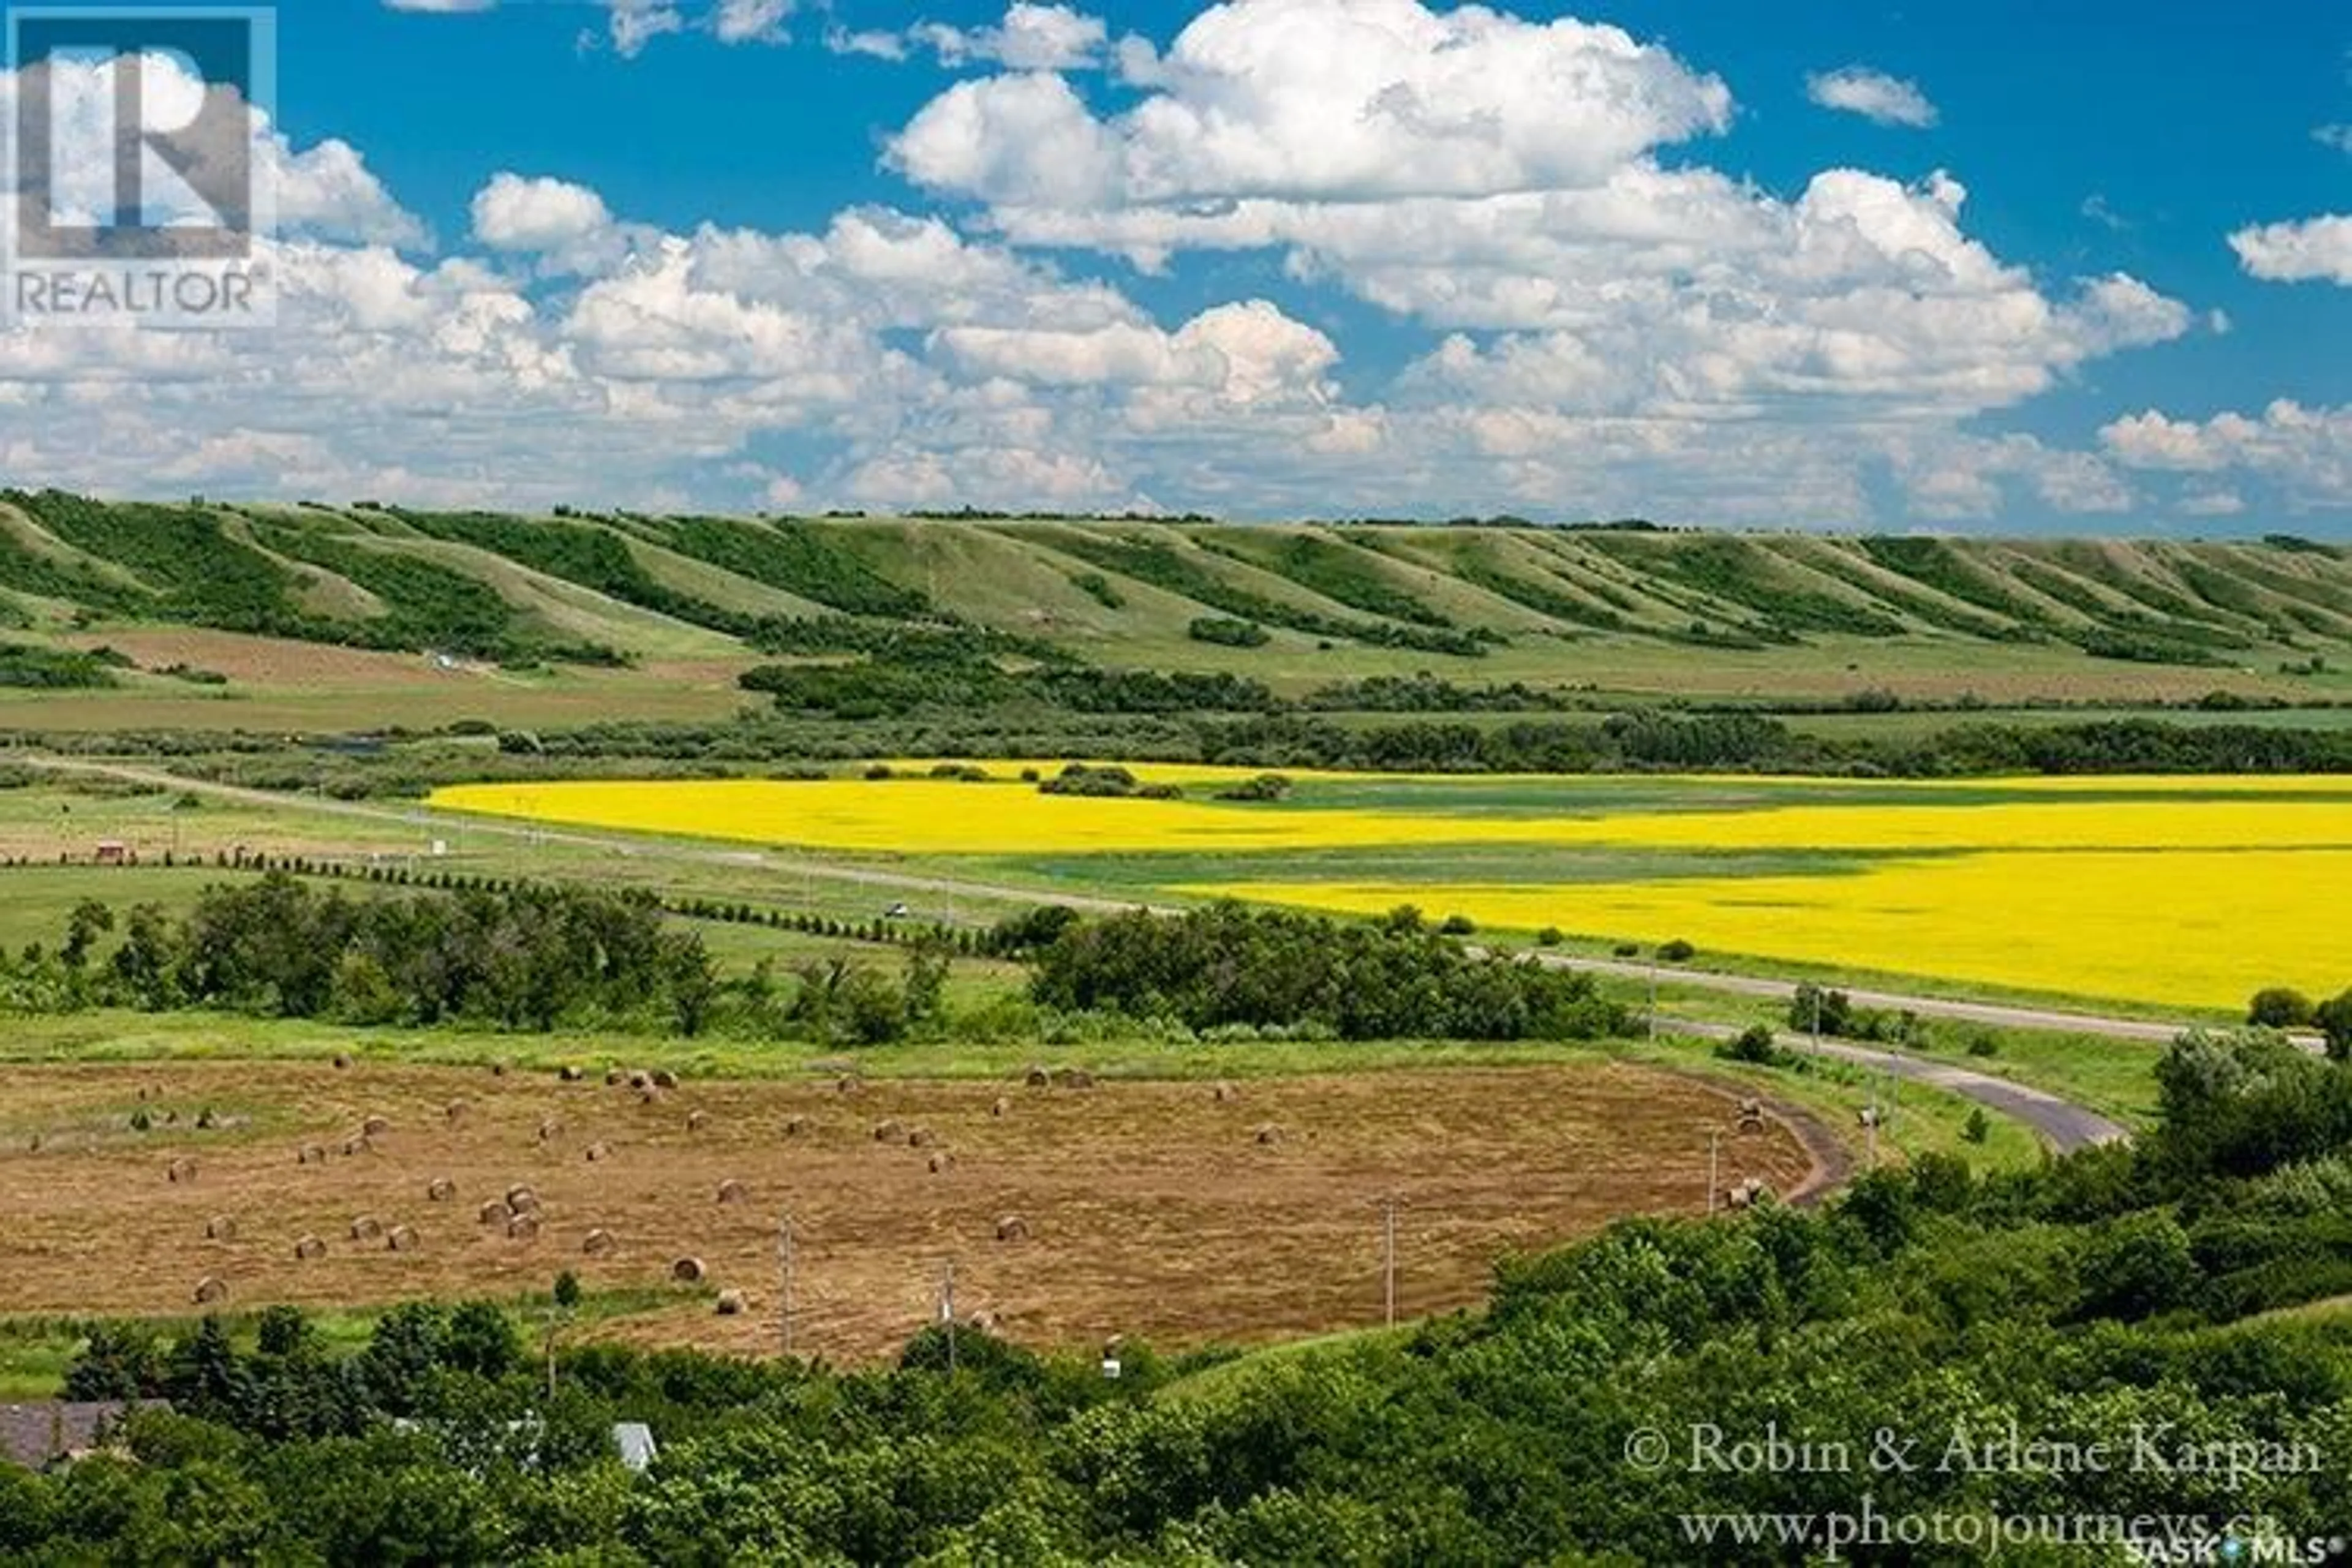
(2335, 1021)
(1978, 1126)
(1264, 787)
(1226, 632)
(1550, 936)
(1676, 952)
(2280, 1007)
(1756, 1045)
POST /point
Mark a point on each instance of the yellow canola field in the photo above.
(2184, 901)
(1004, 769)
(930, 817)
(2192, 928)
(922, 815)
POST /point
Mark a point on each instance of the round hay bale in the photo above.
(941, 1161)
(1037, 1077)
(696, 1121)
(849, 1083)
(440, 1190)
(374, 1127)
(455, 1111)
(569, 1074)
(648, 1096)
(498, 1070)
(982, 1321)
(887, 1132)
(220, 1228)
(367, 1227)
(180, 1171)
(493, 1212)
(354, 1147)
(731, 1191)
(1075, 1077)
(1012, 1227)
(548, 1127)
(523, 1227)
(688, 1271)
(522, 1196)
(613, 1077)
(1224, 1094)
(400, 1239)
(999, 1107)
(798, 1126)
(730, 1304)
(599, 1152)
(600, 1243)
(309, 1247)
(639, 1081)
(1267, 1133)
(343, 1062)
(919, 1138)
(311, 1154)
(663, 1077)
(212, 1288)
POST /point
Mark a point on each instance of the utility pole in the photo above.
(1714, 1166)
(784, 1263)
(1389, 1256)
(947, 1313)
(1817, 1020)
(1653, 998)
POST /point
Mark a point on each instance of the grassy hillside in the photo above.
(1800, 619)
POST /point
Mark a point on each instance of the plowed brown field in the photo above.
(1152, 1208)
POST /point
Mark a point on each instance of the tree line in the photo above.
(1232, 966)
(534, 957)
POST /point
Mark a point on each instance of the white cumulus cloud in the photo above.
(1330, 100)
(1874, 95)
(2318, 248)
(2305, 452)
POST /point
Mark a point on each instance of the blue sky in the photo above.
(1995, 266)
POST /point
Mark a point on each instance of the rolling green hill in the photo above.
(1594, 609)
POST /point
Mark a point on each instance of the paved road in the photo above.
(2062, 1123)
(2066, 1126)
(1995, 1014)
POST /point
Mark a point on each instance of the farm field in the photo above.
(2181, 892)
(1152, 1208)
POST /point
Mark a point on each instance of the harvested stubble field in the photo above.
(1152, 1208)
